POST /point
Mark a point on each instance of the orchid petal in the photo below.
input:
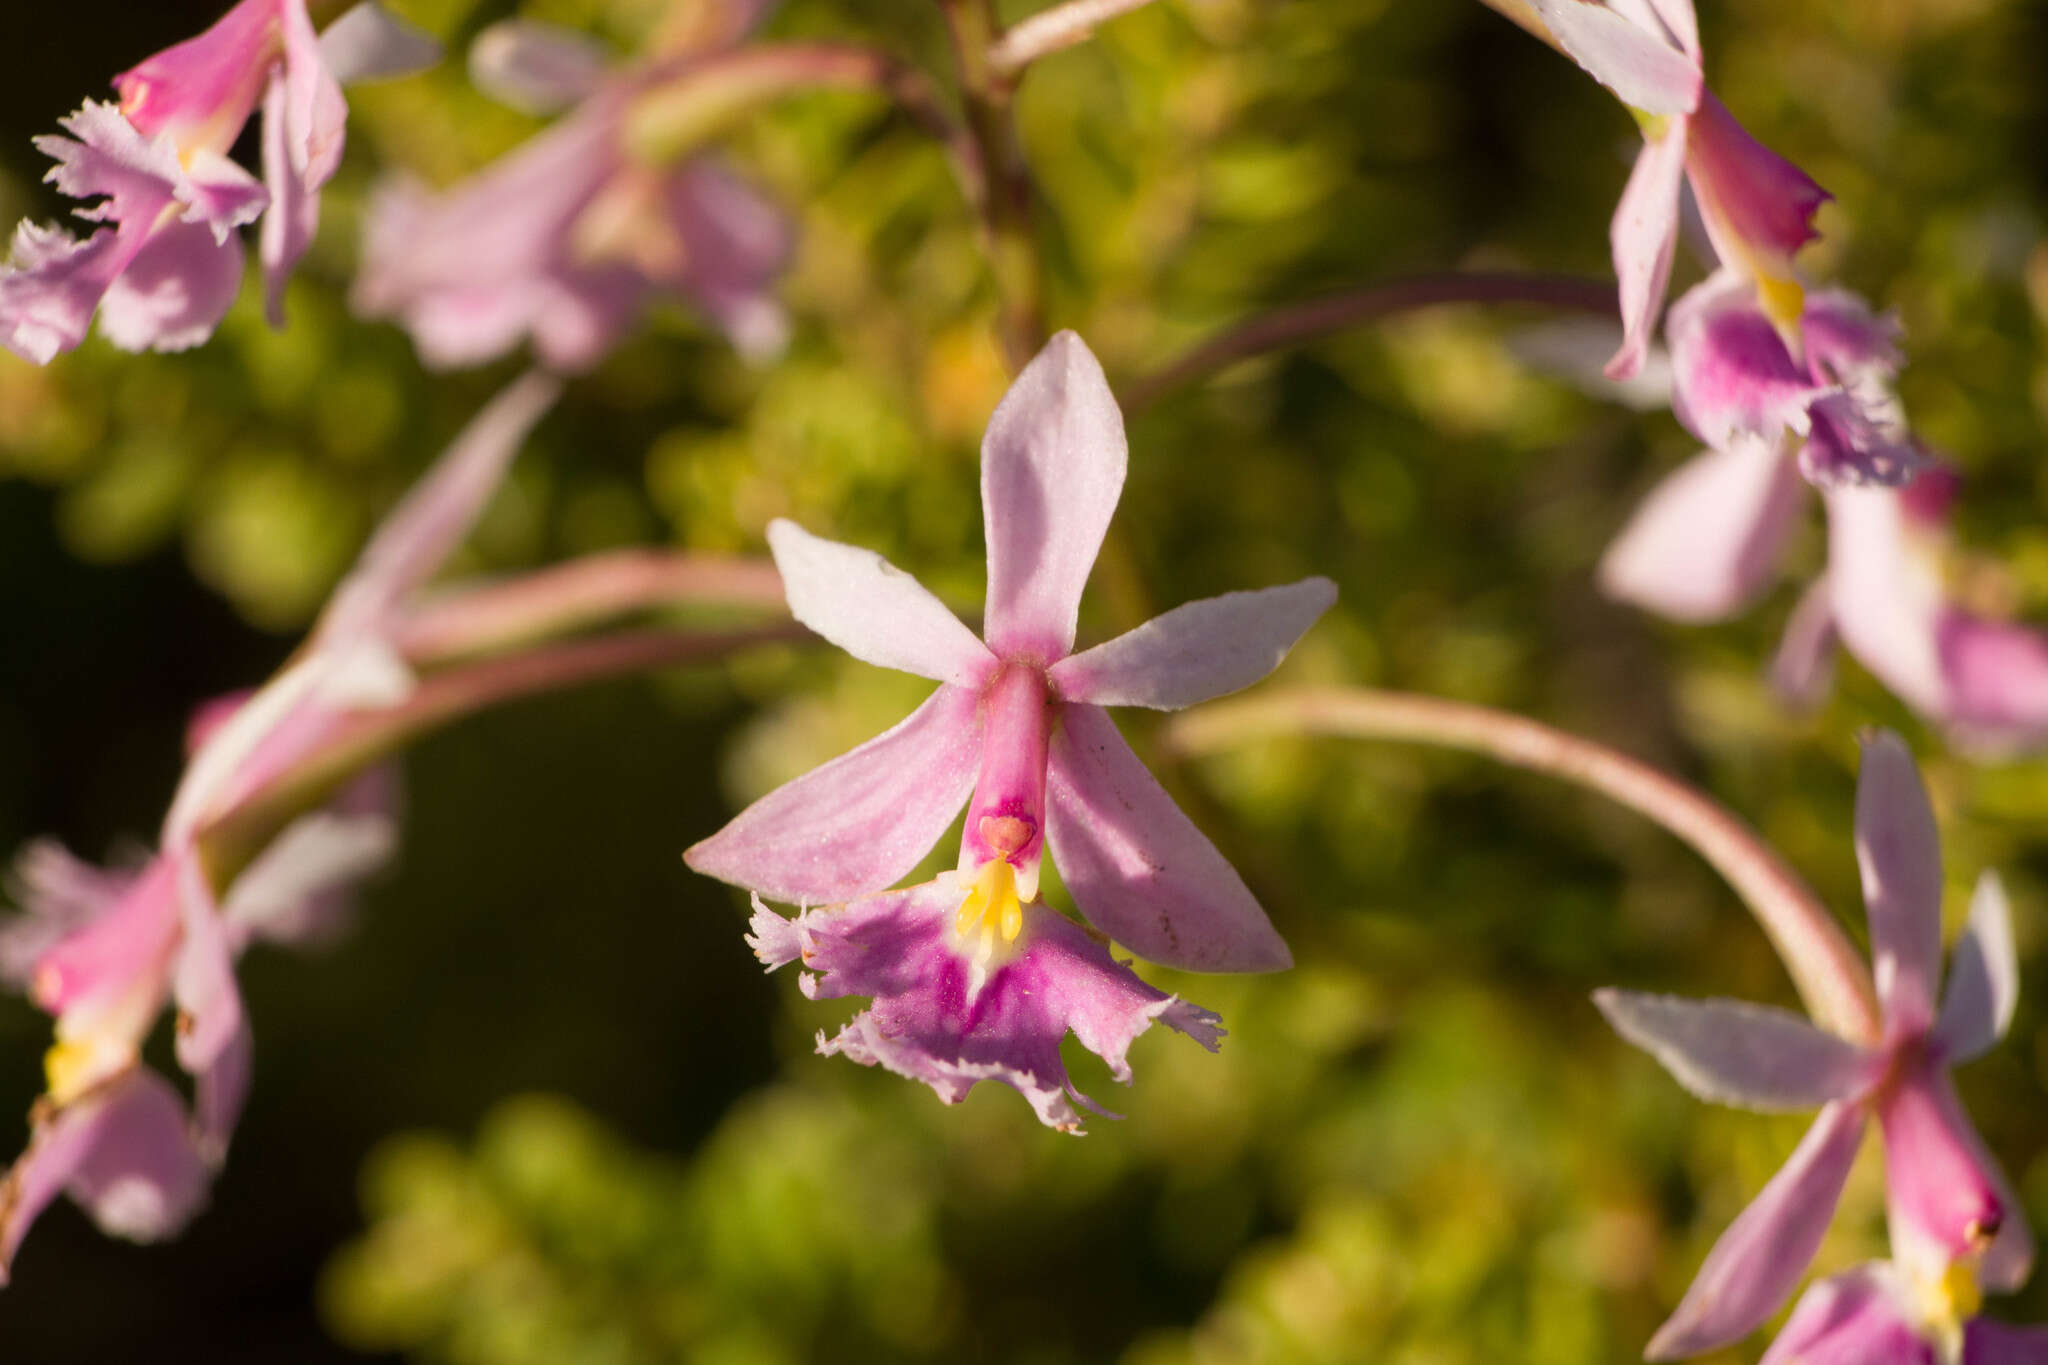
(1706, 541)
(1888, 603)
(122, 1152)
(424, 529)
(1643, 70)
(1898, 851)
(370, 43)
(861, 821)
(1137, 867)
(534, 67)
(1803, 668)
(1754, 1266)
(873, 610)
(174, 292)
(1858, 1317)
(286, 894)
(60, 895)
(1732, 374)
(1946, 1195)
(1732, 1052)
(203, 980)
(1052, 467)
(304, 118)
(1757, 205)
(1644, 237)
(1196, 651)
(1983, 978)
(1997, 676)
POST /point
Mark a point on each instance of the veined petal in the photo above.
(370, 43)
(1052, 468)
(1705, 543)
(1643, 237)
(1898, 852)
(1859, 1317)
(861, 821)
(1137, 867)
(1996, 1343)
(873, 610)
(536, 68)
(123, 1152)
(1753, 1268)
(1196, 651)
(1983, 978)
(1733, 1052)
(434, 517)
(944, 1017)
(174, 292)
(1642, 69)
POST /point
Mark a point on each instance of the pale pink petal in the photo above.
(1643, 237)
(1983, 978)
(1137, 867)
(1997, 677)
(1888, 598)
(53, 282)
(1996, 1343)
(1858, 438)
(1052, 467)
(576, 318)
(535, 67)
(174, 292)
(370, 43)
(1758, 206)
(219, 1092)
(873, 610)
(292, 892)
(1860, 1317)
(1803, 669)
(736, 244)
(1576, 350)
(210, 1015)
(1707, 540)
(1898, 851)
(1196, 651)
(437, 514)
(1845, 337)
(128, 941)
(123, 1152)
(59, 895)
(1753, 1268)
(1684, 25)
(1947, 1197)
(1644, 70)
(861, 821)
(304, 118)
(943, 1017)
(1732, 1052)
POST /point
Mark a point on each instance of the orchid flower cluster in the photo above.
(971, 971)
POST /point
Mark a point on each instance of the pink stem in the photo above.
(1050, 30)
(1299, 322)
(483, 619)
(1825, 966)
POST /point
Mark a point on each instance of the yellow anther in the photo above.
(1654, 126)
(1960, 1291)
(1783, 301)
(991, 906)
(73, 1066)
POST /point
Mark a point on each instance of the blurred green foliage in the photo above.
(1420, 1145)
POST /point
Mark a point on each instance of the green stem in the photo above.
(1825, 967)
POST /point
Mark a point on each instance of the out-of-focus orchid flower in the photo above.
(1018, 720)
(950, 1016)
(1707, 540)
(1758, 206)
(1955, 1220)
(164, 269)
(105, 951)
(567, 240)
(1880, 1313)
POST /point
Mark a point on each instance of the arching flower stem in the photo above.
(1825, 967)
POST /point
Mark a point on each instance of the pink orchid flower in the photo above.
(163, 271)
(105, 951)
(570, 238)
(950, 1015)
(1955, 1219)
(1018, 719)
(1879, 1313)
(1707, 541)
(1758, 207)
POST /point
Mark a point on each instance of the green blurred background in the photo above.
(542, 1107)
